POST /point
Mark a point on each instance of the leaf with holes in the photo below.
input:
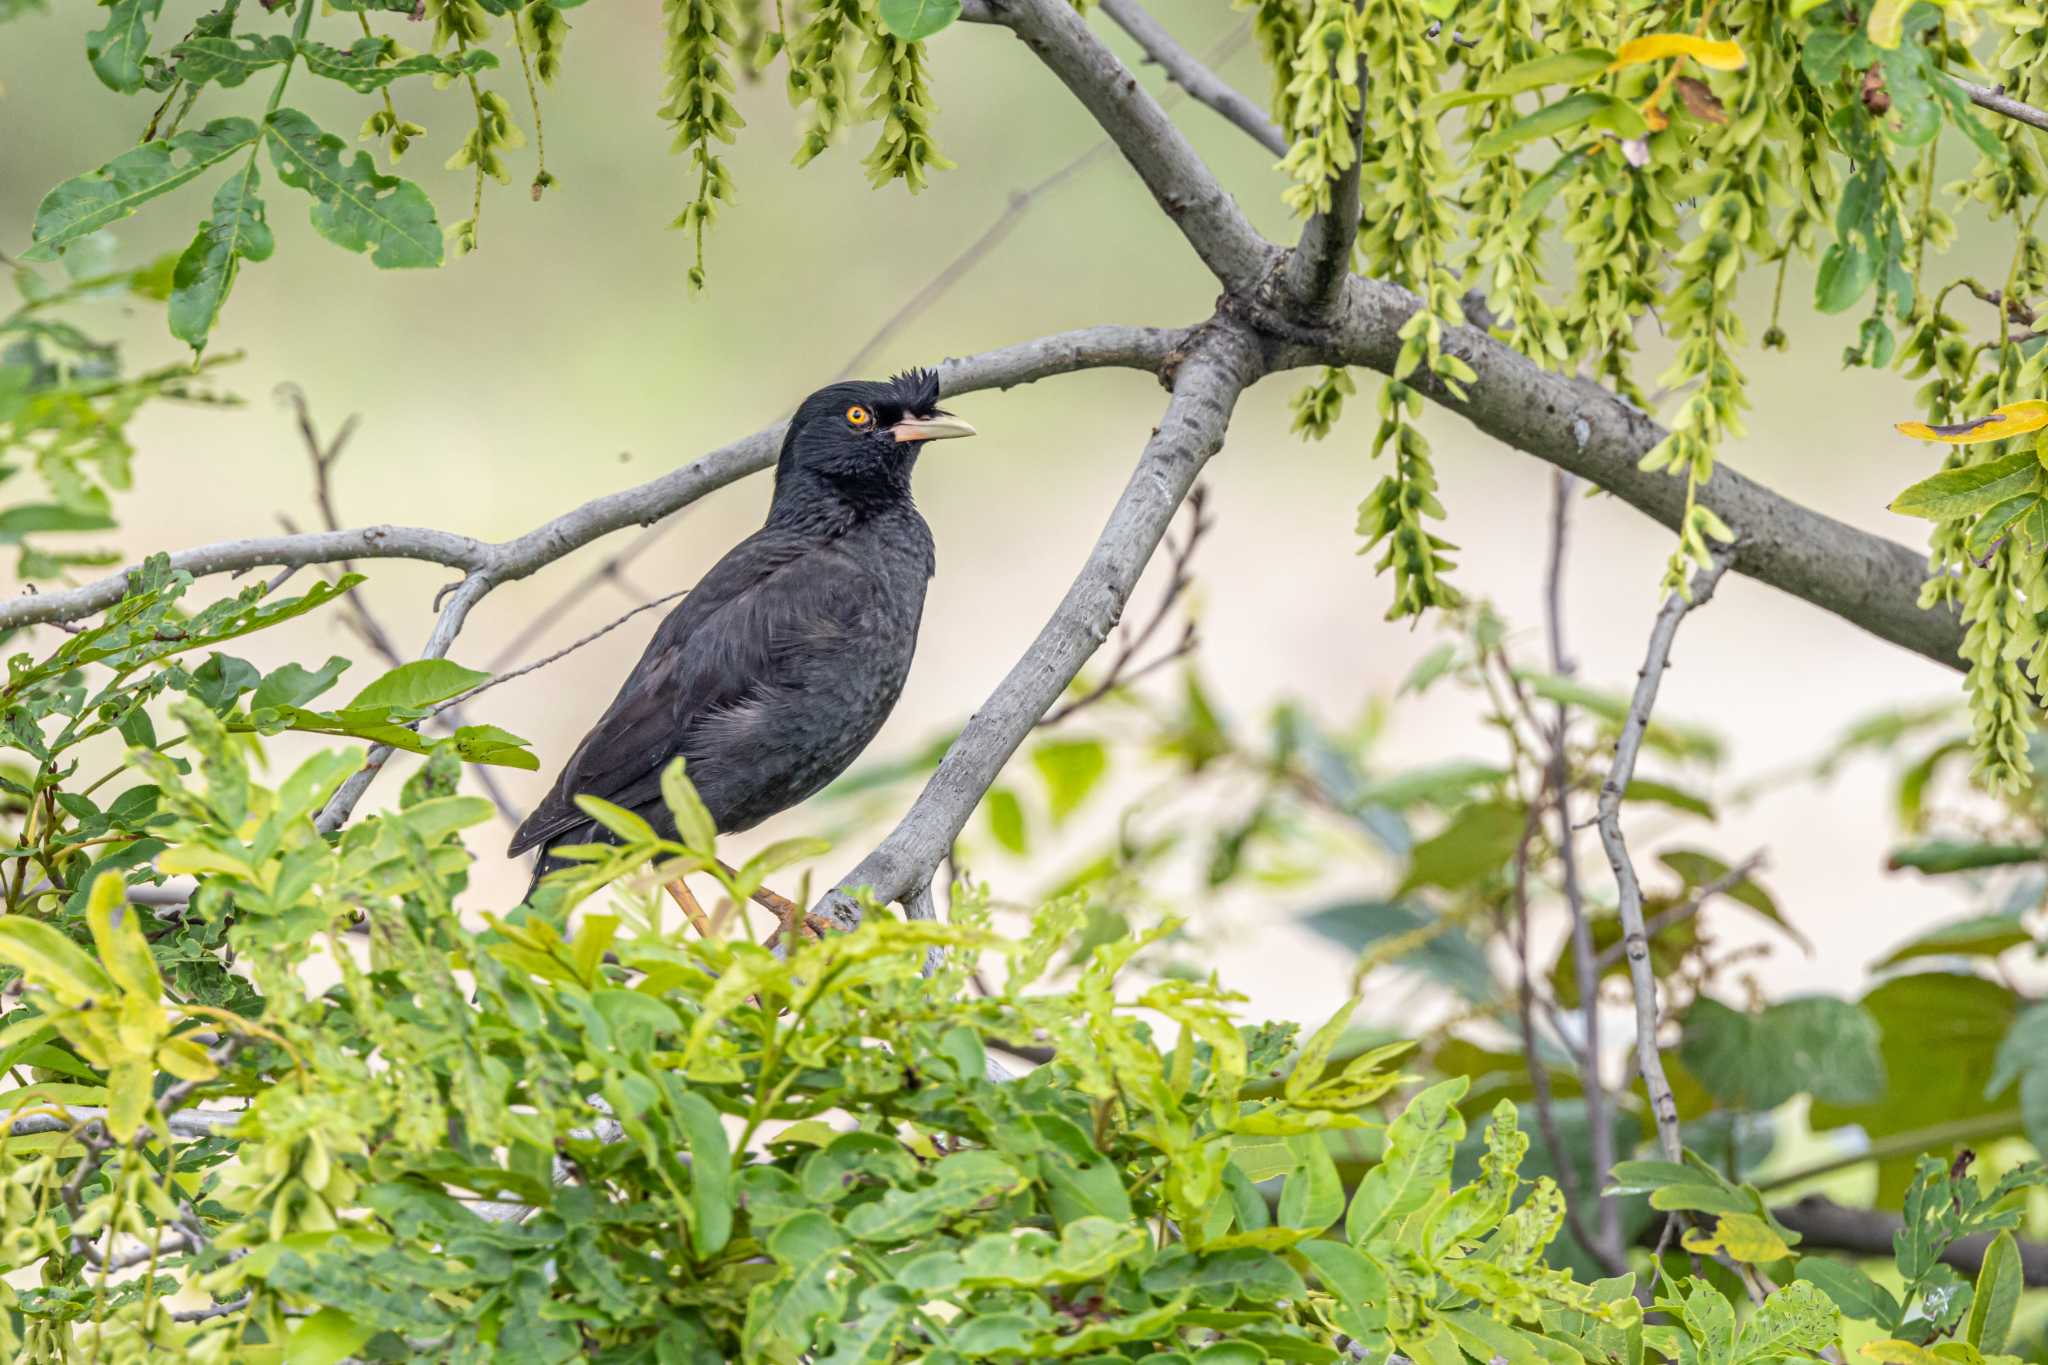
(87, 203)
(354, 206)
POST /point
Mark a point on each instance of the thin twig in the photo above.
(1193, 76)
(562, 653)
(1679, 914)
(1525, 1014)
(1122, 672)
(1608, 1247)
(1635, 940)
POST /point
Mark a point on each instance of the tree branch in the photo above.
(1184, 187)
(1626, 747)
(1138, 348)
(1824, 1224)
(1577, 426)
(1997, 101)
(1190, 74)
(1218, 366)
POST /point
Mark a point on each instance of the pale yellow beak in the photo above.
(940, 428)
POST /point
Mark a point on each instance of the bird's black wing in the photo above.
(718, 651)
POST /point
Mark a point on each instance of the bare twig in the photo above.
(1123, 669)
(1532, 1057)
(559, 654)
(1608, 1246)
(1194, 76)
(1634, 938)
(1679, 914)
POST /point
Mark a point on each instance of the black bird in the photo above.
(783, 662)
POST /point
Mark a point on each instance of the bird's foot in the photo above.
(795, 921)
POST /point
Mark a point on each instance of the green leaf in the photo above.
(420, 683)
(1417, 1164)
(1847, 270)
(1450, 956)
(915, 20)
(228, 61)
(328, 1336)
(960, 1183)
(1817, 1045)
(293, 685)
(1677, 798)
(124, 952)
(1971, 936)
(1940, 1034)
(1006, 820)
(355, 207)
(1477, 844)
(1440, 783)
(90, 202)
(2000, 1281)
(1700, 869)
(1797, 1318)
(50, 960)
(1854, 1292)
(1312, 1197)
(1937, 856)
(1602, 110)
(2024, 1049)
(1559, 68)
(711, 1198)
(363, 68)
(630, 827)
(116, 51)
(1070, 768)
(1356, 1282)
(237, 232)
(694, 825)
(1957, 493)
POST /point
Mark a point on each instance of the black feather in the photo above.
(779, 667)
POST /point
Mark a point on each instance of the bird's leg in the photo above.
(693, 912)
(795, 921)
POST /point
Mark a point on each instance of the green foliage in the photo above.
(363, 209)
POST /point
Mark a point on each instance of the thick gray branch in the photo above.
(1825, 1225)
(1140, 348)
(1218, 366)
(1185, 188)
(1860, 577)
(1185, 70)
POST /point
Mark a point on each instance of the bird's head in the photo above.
(864, 435)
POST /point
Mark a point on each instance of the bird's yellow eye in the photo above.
(859, 416)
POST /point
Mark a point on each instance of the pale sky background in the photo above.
(568, 359)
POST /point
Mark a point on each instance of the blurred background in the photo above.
(569, 359)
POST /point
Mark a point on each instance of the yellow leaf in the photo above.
(1888, 22)
(1891, 1351)
(1719, 54)
(2014, 419)
(1742, 1236)
(124, 952)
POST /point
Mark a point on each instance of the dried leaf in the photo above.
(1699, 101)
